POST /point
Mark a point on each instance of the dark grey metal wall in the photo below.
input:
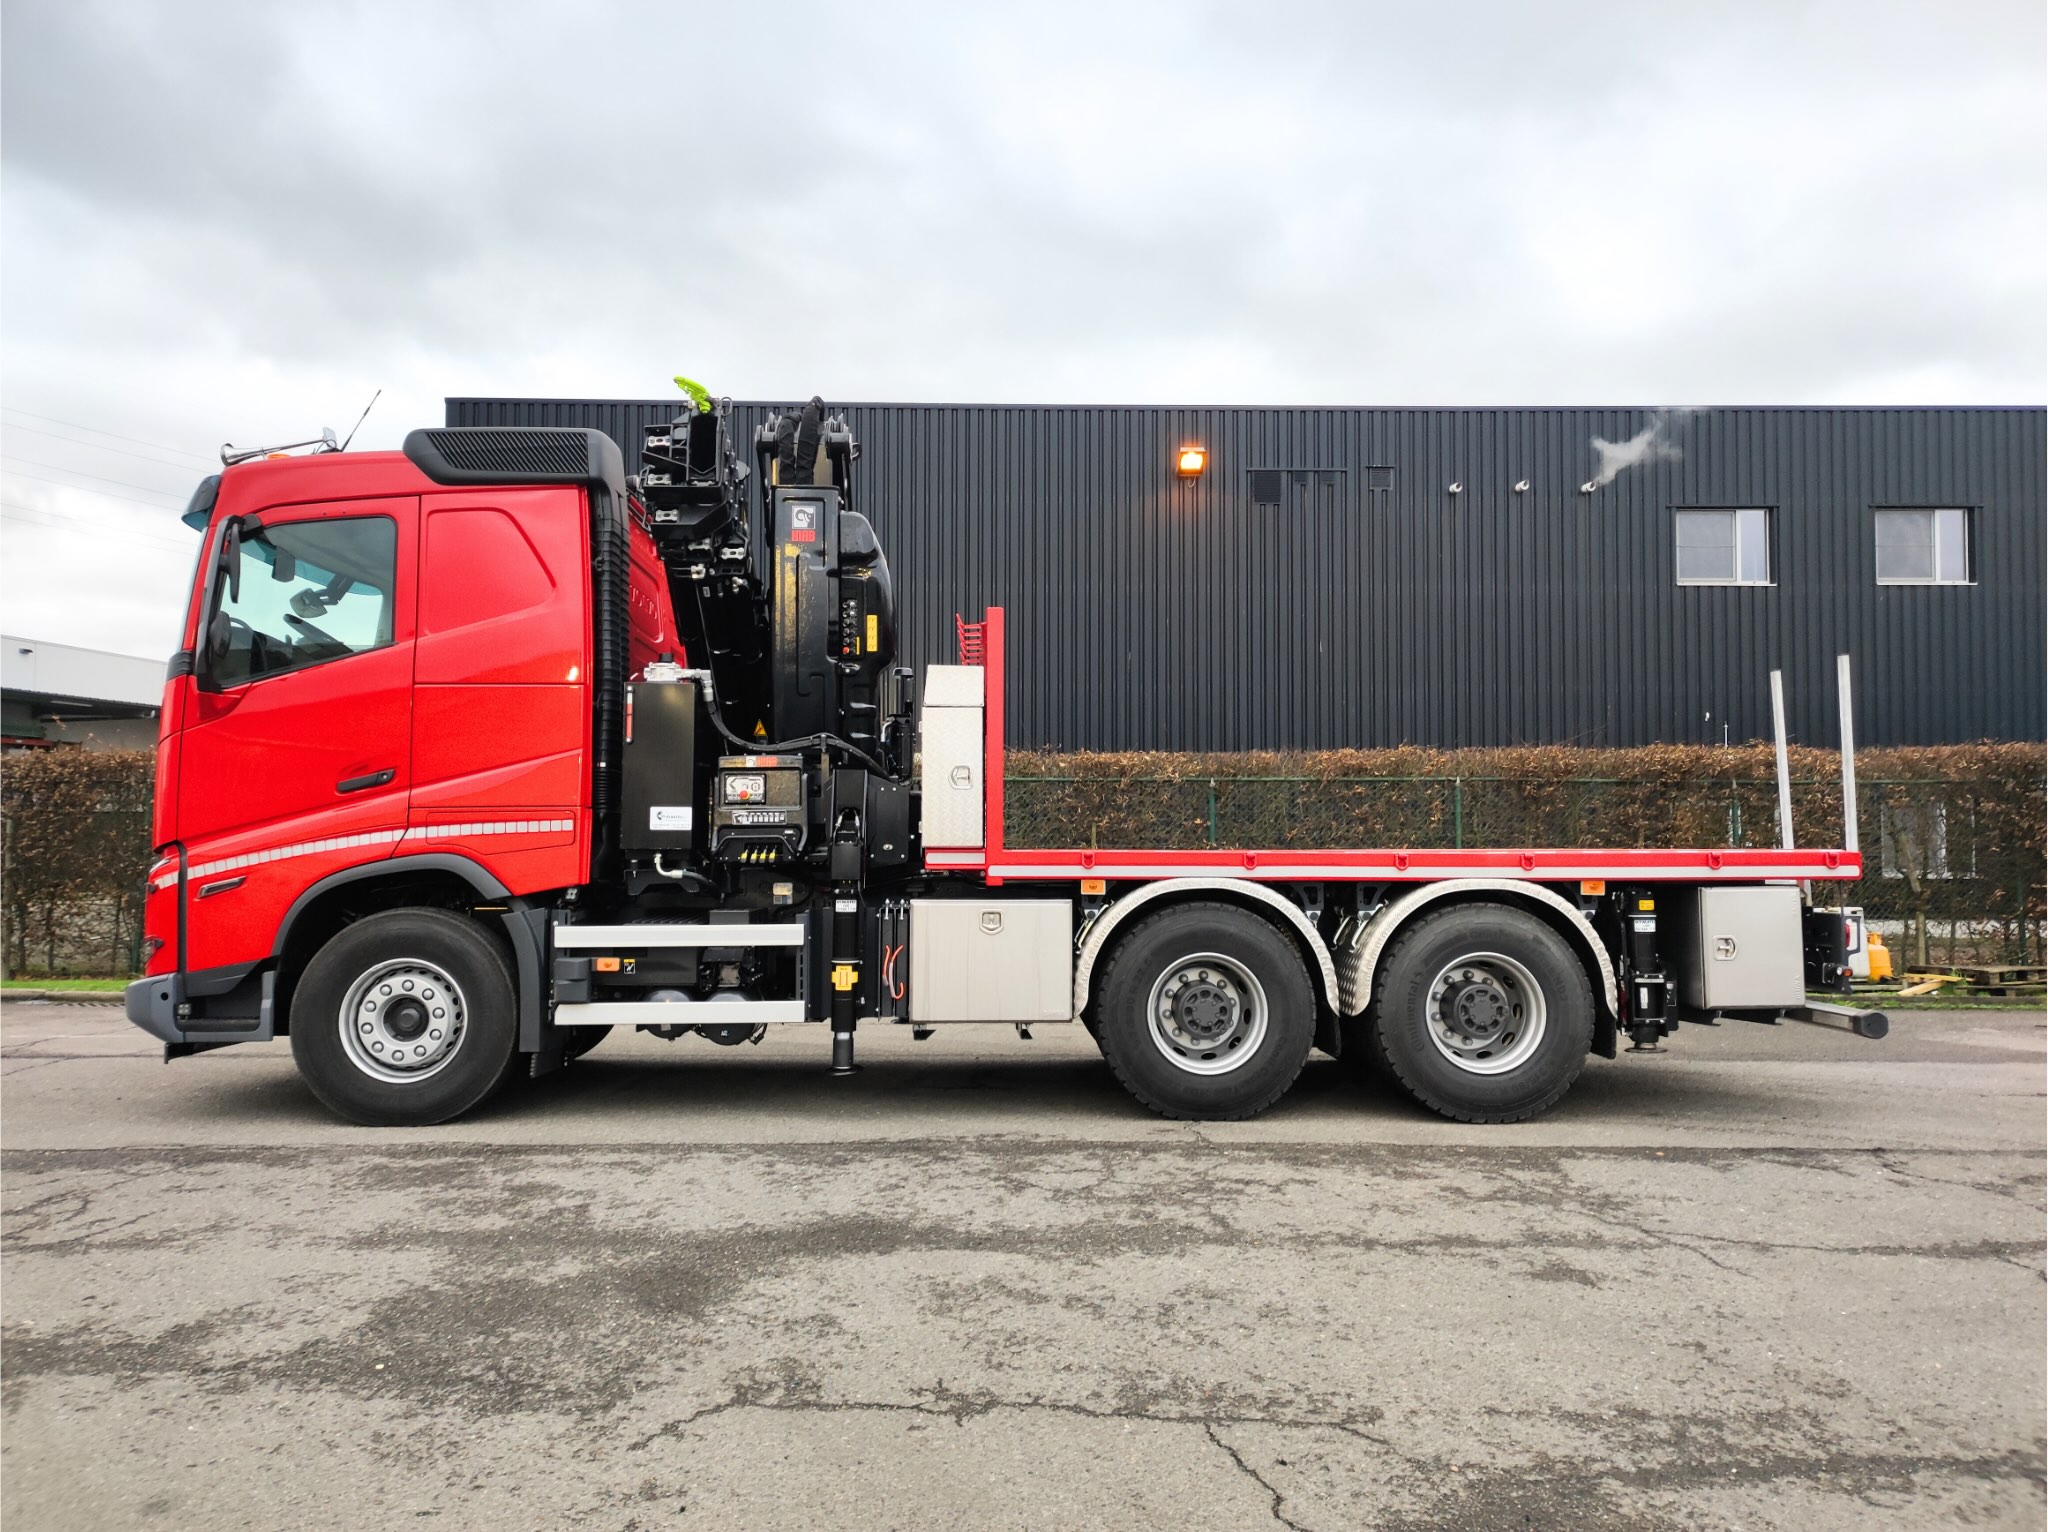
(1148, 613)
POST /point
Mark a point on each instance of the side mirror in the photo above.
(213, 648)
(230, 562)
(219, 634)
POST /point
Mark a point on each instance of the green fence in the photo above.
(1931, 850)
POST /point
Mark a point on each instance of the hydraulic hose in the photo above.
(757, 747)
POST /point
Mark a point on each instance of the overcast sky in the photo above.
(233, 222)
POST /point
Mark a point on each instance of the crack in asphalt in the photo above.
(1695, 1458)
(1257, 1478)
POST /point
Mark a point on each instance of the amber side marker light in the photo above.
(1191, 462)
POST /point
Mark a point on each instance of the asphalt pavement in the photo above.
(1776, 1278)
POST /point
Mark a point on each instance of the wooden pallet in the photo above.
(1925, 984)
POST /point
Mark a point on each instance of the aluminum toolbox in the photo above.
(955, 686)
(1736, 948)
(951, 759)
(991, 960)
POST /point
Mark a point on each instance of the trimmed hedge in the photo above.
(77, 846)
(1958, 827)
(1951, 832)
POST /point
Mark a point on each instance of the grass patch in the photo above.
(1864, 1000)
(87, 986)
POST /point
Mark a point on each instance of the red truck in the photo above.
(474, 751)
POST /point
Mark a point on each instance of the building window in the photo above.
(1295, 489)
(1923, 547)
(1724, 547)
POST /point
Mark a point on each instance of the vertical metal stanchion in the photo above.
(1850, 839)
(1784, 769)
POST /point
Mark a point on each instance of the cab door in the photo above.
(296, 757)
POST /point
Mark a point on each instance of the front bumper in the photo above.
(189, 1012)
(153, 1005)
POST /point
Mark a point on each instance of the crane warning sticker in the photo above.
(669, 816)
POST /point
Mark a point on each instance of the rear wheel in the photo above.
(1206, 1012)
(1482, 1013)
(405, 1018)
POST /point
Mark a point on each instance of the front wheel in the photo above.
(1483, 1013)
(1206, 1012)
(405, 1018)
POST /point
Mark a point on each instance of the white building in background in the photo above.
(60, 695)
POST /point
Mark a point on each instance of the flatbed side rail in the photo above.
(1735, 865)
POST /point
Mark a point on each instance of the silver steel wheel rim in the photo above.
(1207, 1014)
(402, 1021)
(1486, 1013)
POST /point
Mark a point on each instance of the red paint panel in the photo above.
(651, 618)
(266, 755)
(501, 714)
(160, 915)
(238, 924)
(316, 478)
(501, 588)
(526, 863)
(163, 808)
(498, 747)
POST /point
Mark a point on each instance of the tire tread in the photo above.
(1122, 953)
(1408, 1080)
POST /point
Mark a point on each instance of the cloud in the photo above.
(233, 222)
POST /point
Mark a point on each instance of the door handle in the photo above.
(357, 784)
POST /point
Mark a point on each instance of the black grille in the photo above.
(525, 452)
(517, 455)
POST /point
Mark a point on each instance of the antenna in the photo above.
(360, 419)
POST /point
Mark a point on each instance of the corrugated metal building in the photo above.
(1445, 577)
